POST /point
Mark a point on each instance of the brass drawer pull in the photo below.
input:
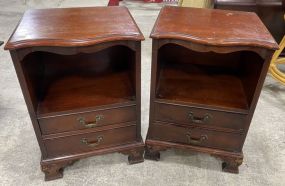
(195, 141)
(92, 144)
(197, 120)
(92, 124)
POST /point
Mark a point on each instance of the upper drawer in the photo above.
(86, 120)
(201, 117)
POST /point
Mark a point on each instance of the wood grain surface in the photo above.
(74, 27)
(219, 27)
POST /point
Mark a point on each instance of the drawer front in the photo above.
(87, 120)
(196, 137)
(201, 117)
(90, 141)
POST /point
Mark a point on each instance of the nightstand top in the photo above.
(68, 27)
(212, 27)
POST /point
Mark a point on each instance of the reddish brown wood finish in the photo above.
(76, 27)
(187, 115)
(196, 136)
(80, 76)
(82, 120)
(92, 141)
(208, 67)
(219, 28)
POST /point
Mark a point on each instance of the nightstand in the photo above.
(208, 68)
(79, 70)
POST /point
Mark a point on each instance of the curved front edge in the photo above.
(76, 49)
(209, 48)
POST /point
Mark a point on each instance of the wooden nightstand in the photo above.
(79, 70)
(208, 68)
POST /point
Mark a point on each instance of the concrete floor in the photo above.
(264, 149)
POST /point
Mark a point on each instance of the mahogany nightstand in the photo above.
(208, 68)
(79, 70)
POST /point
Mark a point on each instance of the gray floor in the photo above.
(264, 162)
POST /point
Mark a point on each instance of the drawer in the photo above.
(200, 117)
(64, 123)
(196, 136)
(90, 141)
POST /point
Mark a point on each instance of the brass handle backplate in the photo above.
(92, 144)
(196, 141)
(203, 120)
(91, 124)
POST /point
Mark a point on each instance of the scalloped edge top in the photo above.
(14, 43)
(225, 42)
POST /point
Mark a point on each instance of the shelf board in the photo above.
(75, 92)
(199, 86)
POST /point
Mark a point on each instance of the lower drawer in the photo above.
(196, 136)
(89, 141)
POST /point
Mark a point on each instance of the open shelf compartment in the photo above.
(71, 82)
(207, 78)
